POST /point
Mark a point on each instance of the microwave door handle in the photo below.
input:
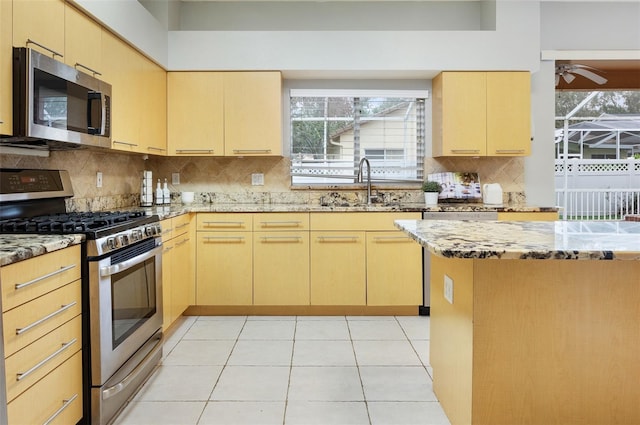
(127, 264)
(92, 96)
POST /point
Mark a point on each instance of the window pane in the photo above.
(331, 134)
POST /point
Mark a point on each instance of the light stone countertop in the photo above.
(173, 210)
(544, 240)
(15, 248)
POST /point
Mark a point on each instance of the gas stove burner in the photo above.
(64, 223)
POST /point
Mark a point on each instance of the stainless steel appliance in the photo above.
(121, 281)
(424, 309)
(54, 102)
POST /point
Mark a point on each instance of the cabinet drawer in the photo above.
(24, 324)
(37, 276)
(58, 395)
(181, 224)
(359, 220)
(167, 229)
(228, 222)
(36, 360)
(280, 221)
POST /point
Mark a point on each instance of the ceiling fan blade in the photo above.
(557, 79)
(590, 75)
(579, 65)
(568, 78)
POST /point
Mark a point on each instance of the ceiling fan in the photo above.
(567, 71)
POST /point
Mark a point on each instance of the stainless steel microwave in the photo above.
(56, 102)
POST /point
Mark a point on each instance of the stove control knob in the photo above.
(125, 240)
(136, 235)
(110, 243)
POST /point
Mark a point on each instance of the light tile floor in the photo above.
(291, 370)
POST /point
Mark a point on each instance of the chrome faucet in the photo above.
(359, 178)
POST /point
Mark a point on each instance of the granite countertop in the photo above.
(177, 209)
(542, 240)
(15, 248)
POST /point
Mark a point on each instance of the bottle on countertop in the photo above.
(166, 195)
(159, 194)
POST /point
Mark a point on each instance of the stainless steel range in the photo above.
(121, 278)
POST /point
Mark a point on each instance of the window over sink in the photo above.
(332, 130)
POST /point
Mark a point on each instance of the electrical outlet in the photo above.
(175, 178)
(99, 179)
(257, 179)
(448, 289)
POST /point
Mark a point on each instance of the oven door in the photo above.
(125, 300)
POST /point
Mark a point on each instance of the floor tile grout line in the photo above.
(364, 396)
(221, 371)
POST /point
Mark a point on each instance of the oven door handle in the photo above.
(120, 267)
(124, 383)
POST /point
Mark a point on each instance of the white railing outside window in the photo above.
(597, 189)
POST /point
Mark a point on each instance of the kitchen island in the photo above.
(534, 322)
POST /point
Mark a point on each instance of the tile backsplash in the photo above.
(223, 180)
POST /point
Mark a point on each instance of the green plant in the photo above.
(431, 186)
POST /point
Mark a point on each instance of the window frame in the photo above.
(420, 147)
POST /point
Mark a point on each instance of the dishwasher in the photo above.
(424, 309)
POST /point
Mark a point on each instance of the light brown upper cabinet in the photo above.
(482, 114)
(252, 113)
(82, 42)
(42, 22)
(195, 113)
(224, 113)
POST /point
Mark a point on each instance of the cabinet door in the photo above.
(121, 69)
(459, 114)
(195, 114)
(59, 395)
(41, 21)
(253, 113)
(167, 282)
(82, 42)
(182, 275)
(153, 101)
(281, 268)
(224, 271)
(338, 268)
(394, 269)
(6, 76)
(508, 113)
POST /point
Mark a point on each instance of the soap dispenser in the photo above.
(166, 195)
(159, 194)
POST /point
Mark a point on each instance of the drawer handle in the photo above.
(46, 276)
(125, 143)
(169, 230)
(465, 150)
(54, 53)
(194, 150)
(180, 226)
(182, 242)
(63, 308)
(281, 238)
(224, 223)
(509, 150)
(153, 148)
(392, 238)
(251, 151)
(21, 375)
(167, 249)
(78, 64)
(65, 404)
(280, 223)
(338, 238)
(224, 238)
